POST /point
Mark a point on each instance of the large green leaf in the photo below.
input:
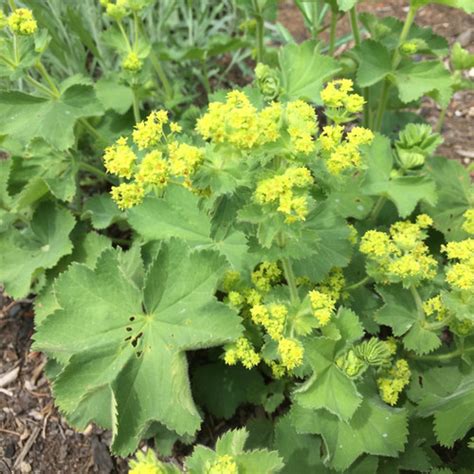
(177, 214)
(300, 452)
(222, 389)
(127, 346)
(25, 254)
(25, 116)
(455, 196)
(400, 313)
(305, 70)
(466, 5)
(404, 191)
(417, 79)
(326, 235)
(374, 429)
(375, 63)
(453, 412)
(329, 387)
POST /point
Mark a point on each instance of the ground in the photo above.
(33, 436)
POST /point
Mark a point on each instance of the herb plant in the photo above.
(292, 258)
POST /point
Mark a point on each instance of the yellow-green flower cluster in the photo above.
(393, 381)
(117, 10)
(460, 275)
(119, 159)
(291, 353)
(132, 62)
(271, 317)
(468, 224)
(22, 22)
(146, 463)
(338, 94)
(237, 122)
(127, 195)
(166, 159)
(323, 305)
(401, 255)
(333, 284)
(302, 126)
(282, 189)
(149, 132)
(241, 351)
(265, 276)
(435, 305)
(342, 154)
(224, 464)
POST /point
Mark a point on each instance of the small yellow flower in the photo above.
(153, 169)
(291, 353)
(224, 464)
(231, 280)
(393, 381)
(149, 132)
(266, 274)
(243, 351)
(176, 127)
(132, 62)
(22, 22)
(468, 225)
(184, 159)
(323, 306)
(127, 195)
(119, 159)
(424, 221)
(145, 463)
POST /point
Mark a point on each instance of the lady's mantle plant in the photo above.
(258, 234)
(266, 261)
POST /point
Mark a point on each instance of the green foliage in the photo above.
(211, 259)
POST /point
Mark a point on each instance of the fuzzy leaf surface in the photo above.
(305, 71)
(128, 344)
(25, 253)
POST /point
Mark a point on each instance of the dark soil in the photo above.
(33, 436)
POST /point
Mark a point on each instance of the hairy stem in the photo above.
(291, 280)
(395, 62)
(44, 74)
(136, 106)
(259, 32)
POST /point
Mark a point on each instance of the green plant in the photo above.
(266, 261)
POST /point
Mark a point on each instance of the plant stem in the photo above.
(39, 86)
(395, 62)
(44, 74)
(259, 31)
(332, 33)
(290, 279)
(355, 25)
(155, 62)
(443, 357)
(96, 171)
(442, 116)
(93, 131)
(314, 19)
(125, 36)
(136, 106)
(358, 284)
(377, 208)
(418, 302)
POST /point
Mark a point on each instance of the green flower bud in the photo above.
(415, 143)
(374, 352)
(268, 81)
(351, 365)
(461, 59)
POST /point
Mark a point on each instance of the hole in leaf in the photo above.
(128, 328)
(132, 318)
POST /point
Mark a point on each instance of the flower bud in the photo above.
(268, 81)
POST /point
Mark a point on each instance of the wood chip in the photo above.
(9, 377)
(27, 447)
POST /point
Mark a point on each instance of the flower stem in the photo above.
(259, 32)
(358, 284)
(395, 62)
(418, 302)
(136, 106)
(96, 171)
(377, 208)
(290, 279)
(443, 357)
